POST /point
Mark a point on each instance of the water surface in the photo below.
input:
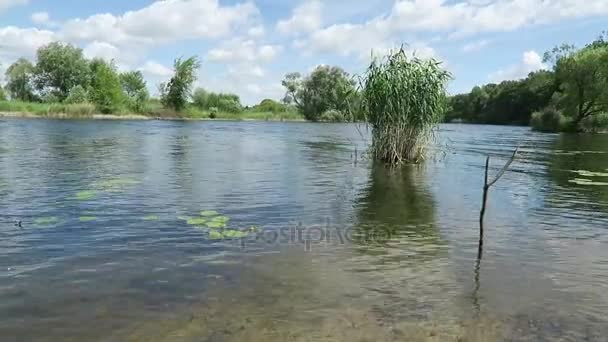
(342, 248)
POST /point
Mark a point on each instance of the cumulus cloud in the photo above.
(475, 45)
(42, 18)
(305, 18)
(155, 70)
(18, 42)
(6, 4)
(243, 50)
(163, 22)
(531, 61)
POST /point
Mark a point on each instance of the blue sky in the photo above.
(248, 46)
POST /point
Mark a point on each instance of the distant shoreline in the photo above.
(127, 117)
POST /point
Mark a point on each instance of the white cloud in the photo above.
(155, 70)
(163, 22)
(256, 31)
(19, 42)
(305, 18)
(462, 18)
(42, 18)
(240, 50)
(531, 61)
(475, 45)
(6, 4)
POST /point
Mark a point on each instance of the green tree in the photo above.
(206, 100)
(268, 105)
(2, 94)
(176, 93)
(105, 91)
(19, 78)
(326, 88)
(59, 68)
(135, 89)
(583, 78)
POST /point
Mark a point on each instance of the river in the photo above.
(338, 248)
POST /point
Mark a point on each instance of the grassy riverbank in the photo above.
(88, 111)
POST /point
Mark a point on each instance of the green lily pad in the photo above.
(113, 185)
(209, 213)
(215, 235)
(86, 195)
(234, 234)
(222, 219)
(151, 218)
(87, 218)
(197, 221)
(46, 221)
(216, 225)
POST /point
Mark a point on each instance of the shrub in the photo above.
(77, 95)
(549, 120)
(594, 123)
(84, 109)
(332, 116)
(213, 113)
(2, 94)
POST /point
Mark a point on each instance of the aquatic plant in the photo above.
(46, 221)
(87, 218)
(403, 99)
(584, 181)
(150, 218)
(208, 213)
(197, 221)
(215, 235)
(86, 195)
(234, 234)
(586, 173)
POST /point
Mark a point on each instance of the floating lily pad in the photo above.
(197, 221)
(586, 173)
(46, 221)
(215, 235)
(222, 219)
(582, 181)
(115, 184)
(151, 218)
(87, 218)
(209, 213)
(216, 224)
(86, 195)
(234, 234)
(253, 229)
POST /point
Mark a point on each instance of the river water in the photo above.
(338, 248)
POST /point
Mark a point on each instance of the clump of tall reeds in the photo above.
(404, 98)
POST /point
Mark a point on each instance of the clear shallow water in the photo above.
(344, 250)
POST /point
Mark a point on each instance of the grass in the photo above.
(153, 110)
(403, 100)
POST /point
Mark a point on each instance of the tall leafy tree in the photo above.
(583, 76)
(19, 77)
(135, 89)
(176, 93)
(326, 88)
(106, 90)
(59, 68)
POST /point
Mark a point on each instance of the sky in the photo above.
(247, 46)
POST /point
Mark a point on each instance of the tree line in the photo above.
(572, 96)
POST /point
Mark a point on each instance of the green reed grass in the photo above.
(404, 98)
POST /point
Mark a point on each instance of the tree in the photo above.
(206, 100)
(177, 91)
(61, 67)
(77, 95)
(135, 89)
(583, 78)
(19, 80)
(2, 94)
(326, 88)
(105, 91)
(268, 105)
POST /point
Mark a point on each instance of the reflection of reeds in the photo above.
(403, 100)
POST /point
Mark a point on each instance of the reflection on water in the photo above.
(114, 261)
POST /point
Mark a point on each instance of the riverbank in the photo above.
(65, 116)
